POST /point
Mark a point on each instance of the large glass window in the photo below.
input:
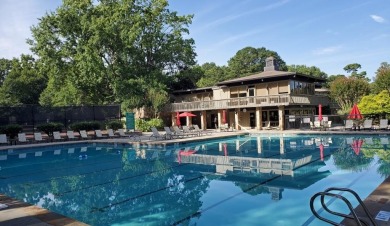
(297, 87)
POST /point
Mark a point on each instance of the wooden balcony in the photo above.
(247, 102)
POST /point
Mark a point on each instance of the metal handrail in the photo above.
(354, 216)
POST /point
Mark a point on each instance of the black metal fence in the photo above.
(29, 116)
(303, 121)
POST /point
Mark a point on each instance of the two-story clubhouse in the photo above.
(269, 99)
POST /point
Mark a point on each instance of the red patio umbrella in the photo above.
(355, 113)
(320, 112)
(356, 145)
(177, 119)
(186, 114)
(224, 116)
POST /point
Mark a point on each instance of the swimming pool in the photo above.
(244, 180)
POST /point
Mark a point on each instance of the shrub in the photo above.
(11, 130)
(114, 124)
(146, 125)
(50, 127)
(77, 126)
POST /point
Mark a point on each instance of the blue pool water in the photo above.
(246, 180)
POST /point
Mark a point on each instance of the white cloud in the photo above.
(378, 19)
(327, 50)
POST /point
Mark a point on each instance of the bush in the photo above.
(115, 125)
(146, 125)
(11, 130)
(50, 127)
(77, 126)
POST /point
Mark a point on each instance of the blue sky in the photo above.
(328, 34)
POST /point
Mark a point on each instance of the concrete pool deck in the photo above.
(17, 212)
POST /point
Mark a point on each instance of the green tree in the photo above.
(382, 78)
(250, 60)
(353, 69)
(23, 83)
(303, 69)
(212, 75)
(331, 78)
(110, 51)
(5, 68)
(375, 104)
(347, 91)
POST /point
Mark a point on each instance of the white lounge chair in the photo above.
(367, 124)
(384, 124)
(84, 134)
(57, 136)
(38, 137)
(99, 134)
(111, 134)
(22, 138)
(3, 139)
(348, 124)
(70, 135)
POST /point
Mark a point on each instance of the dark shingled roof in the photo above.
(271, 75)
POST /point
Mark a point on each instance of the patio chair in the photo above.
(99, 134)
(111, 134)
(156, 134)
(348, 124)
(201, 132)
(122, 133)
(70, 135)
(22, 138)
(169, 134)
(187, 131)
(317, 125)
(84, 135)
(384, 124)
(267, 125)
(57, 136)
(178, 132)
(367, 124)
(38, 137)
(3, 139)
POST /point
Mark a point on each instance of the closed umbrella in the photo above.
(320, 112)
(223, 116)
(177, 119)
(355, 113)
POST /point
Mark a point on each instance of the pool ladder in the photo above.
(328, 192)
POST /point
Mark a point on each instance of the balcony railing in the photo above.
(246, 102)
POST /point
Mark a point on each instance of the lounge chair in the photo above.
(70, 135)
(22, 138)
(157, 134)
(122, 133)
(98, 134)
(3, 139)
(201, 132)
(57, 136)
(384, 124)
(328, 125)
(267, 125)
(178, 132)
(348, 125)
(84, 134)
(171, 135)
(187, 131)
(38, 137)
(367, 124)
(317, 125)
(111, 134)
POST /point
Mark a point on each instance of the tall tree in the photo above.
(105, 51)
(23, 83)
(251, 60)
(347, 91)
(212, 75)
(313, 70)
(376, 104)
(382, 78)
(353, 69)
(5, 68)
